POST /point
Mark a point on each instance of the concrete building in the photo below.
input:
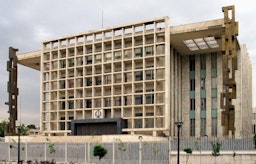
(142, 77)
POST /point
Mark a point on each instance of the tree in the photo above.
(31, 126)
(216, 149)
(24, 130)
(100, 151)
(3, 126)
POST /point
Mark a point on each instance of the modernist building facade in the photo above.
(148, 74)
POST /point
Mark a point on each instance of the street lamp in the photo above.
(140, 149)
(19, 132)
(178, 124)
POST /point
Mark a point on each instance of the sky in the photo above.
(24, 24)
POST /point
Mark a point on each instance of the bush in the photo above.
(99, 151)
(188, 150)
(254, 140)
(216, 148)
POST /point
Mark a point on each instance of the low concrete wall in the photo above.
(84, 139)
(226, 157)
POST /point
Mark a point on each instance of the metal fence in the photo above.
(118, 152)
(205, 144)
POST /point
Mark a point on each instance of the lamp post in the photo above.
(19, 131)
(140, 149)
(178, 124)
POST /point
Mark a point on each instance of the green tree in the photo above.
(216, 149)
(31, 126)
(3, 126)
(24, 130)
(100, 151)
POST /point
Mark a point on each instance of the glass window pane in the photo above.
(149, 51)
(192, 127)
(138, 99)
(138, 52)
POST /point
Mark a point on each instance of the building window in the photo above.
(203, 126)
(149, 51)
(97, 103)
(138, 123)
(203, 103)
(71, 104)
(192, 127)
(202, 83)
(107, 102)
(127, 54)
(214, 103)
(150, 99)
(192, 63)
(71, 62)
(214, 127)
(63, 105)
(214, 82)
(71, 83)
(125, 77)
(62, 84)
(62, 63)
(98, 58)
(125, 100)
(149, 123)
(88, 81)
(107, 79)
(69, 123)
(89, 60)
(149, 74)
(79, 61)
(118, 55)
(214, 60)
(192, 84)
(62, 125)
(98, 80)
(138, 52)
(138, 76)
(108, 57)
(138, 99)
(88, 103)
(192, 104)
(203, 62)
(117, 78)
(118, 101)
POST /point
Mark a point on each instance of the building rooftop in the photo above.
(194, 38)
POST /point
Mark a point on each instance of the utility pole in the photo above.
(13, 91)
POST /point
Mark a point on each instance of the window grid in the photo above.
(95, 66)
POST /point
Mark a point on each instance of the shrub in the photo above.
(188, 150)
(99, 151)
(216, 148)
(254, 140)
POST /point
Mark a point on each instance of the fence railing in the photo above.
(206, 144)
(118, 152)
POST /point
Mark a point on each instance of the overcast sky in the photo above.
(25, 23)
